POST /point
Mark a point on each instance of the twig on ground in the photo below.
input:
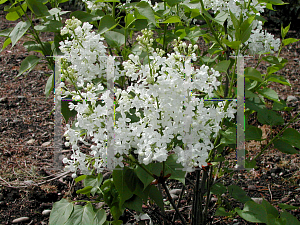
(8, 184)
(59, 176)
(271, 196)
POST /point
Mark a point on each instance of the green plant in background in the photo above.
(291, 10)
(49, 21)
(230, 29)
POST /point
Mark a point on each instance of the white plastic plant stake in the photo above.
(240, 150)
(110, 112)
(57, 162)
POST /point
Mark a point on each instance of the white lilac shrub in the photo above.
(260, 41)
(157, 114)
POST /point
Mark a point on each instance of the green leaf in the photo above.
(94, 181)
(238, 193)
(172, 19)
(114, 39)
(85, 191)
(175, 169)
(80, 178)
(222, 66)
(271, 59)
(288, 207)
(6, 32)
(250, 94)
(271, 220)
(107, 22)
(218, 189)
(222, 212)
(269, 208)
(38, 8)
(173, 2)
(269, 94)
(250, 164)
(131, 179)
(33, 46)
(115, 222)
(246, 28)
(140, 24)
(19, 30)
(140, 191)
(100, 217)
(135, 203)
(81, 215)
(269, 117)
(234, 21)
(277, 67)
(28, 64)
(285, 30)
(15, 14)
(154, 168)
(281, 106)
(116, 212)
(278, 79)
(84, 16)
(253, 212)
(289, 41)
(50, 26)
(229, 136)
(3, 1)
(5, 43)
(270, 6)
(284, 147)
(120, 183)
(292, 137)
(145, 10)
(260, 18)
(291, 220)
(66, 112)
(232, 44)
(221, 17)
(192, 35)
(253, 74)
(129, 19)
(155, 195)
(60, 212)
(49, 85)
(251, 85)
(255, 104)
(57, 11)
(253, 133)
(273, 2)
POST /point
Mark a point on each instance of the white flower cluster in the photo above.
(156, 114)
(259, 41)
(84, 61)
(170, 111)
(93, 5)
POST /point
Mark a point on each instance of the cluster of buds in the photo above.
(71, 25)
(181, 48)
(146, 40)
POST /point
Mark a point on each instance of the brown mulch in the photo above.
(25, 166)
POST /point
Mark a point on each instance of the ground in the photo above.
(29, 184)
